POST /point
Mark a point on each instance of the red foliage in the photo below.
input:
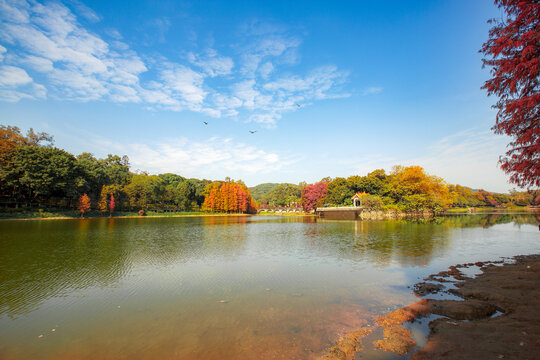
(313, 194)
(84, 204)
(229, 197)
(112, 204)
(513, 52)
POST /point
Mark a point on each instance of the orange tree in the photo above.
(84, 204)
(230, 197)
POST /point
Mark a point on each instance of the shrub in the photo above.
(370, 202)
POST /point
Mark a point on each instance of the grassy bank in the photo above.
(71, 214)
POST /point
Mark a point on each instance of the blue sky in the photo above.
(331, 88)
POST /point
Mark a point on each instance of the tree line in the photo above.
(407, 189)
(34, 174)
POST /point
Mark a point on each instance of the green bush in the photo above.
(372, 203)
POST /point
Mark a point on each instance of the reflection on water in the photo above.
(222, 287)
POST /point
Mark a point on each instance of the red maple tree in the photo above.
(112, 205)
(513, 53)
(313, 194)
(84, 204)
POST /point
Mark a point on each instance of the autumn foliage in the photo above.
(83, 204)
(112, 204)
(229, 197)
(513, 53)
(313, 195)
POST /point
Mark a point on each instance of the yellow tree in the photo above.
(102, 203)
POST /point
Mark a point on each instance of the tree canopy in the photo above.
(513, 53)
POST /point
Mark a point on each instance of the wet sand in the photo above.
(494, 315)
(497, 318)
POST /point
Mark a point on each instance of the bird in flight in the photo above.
(299, 105)
(253, 131)
(205, 122)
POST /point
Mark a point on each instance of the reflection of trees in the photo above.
(488, 220)
(408, 241)
(380, 242)
(42, 259)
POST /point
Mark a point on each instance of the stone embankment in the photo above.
(281, 211)
(382, 215)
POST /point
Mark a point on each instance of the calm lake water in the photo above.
(223, 287)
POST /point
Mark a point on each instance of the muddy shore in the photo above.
(493, 315)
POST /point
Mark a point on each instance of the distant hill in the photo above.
(257, 192)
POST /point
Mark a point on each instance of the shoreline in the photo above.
(493, 315)
(496, 318)
(367, 215)
(120, 217)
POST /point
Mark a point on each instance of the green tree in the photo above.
(338, 192)
(12, 138)
(143, 190)
(39, 173)
(282, 195)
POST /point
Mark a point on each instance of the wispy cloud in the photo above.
(16, 84)
(372, 90)
(47, 51)
(468, 158)
(212, 63)
(212, 158)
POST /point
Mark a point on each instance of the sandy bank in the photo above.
(498, 319)
(496, 315)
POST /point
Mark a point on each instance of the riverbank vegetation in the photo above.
(404, 189)
(38, 178)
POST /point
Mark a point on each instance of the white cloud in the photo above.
(272, 46)
(115, 34)
(467, 158)
(17, 13)
(266, 69)
(315, 85)
(211, 63)
(79, 64)
(36, 63)
(13, 76)
(267, 119)
(49, 43)
(85, 11)
(212, 158)
(372, 90)
(184, 82)
(2, 52)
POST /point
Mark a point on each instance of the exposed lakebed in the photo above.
(224, 287)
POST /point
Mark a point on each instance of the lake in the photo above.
(224, 287)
